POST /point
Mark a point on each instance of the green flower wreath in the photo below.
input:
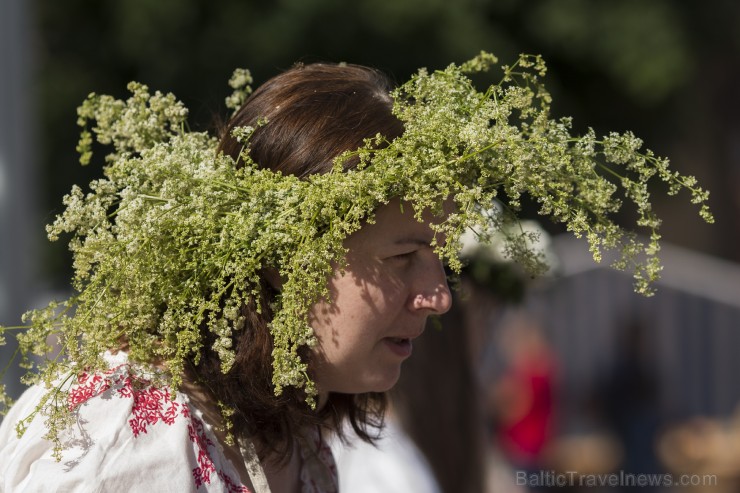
(175, 235)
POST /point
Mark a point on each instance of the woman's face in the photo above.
(379, 304)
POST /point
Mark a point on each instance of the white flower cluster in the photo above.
(174, 237)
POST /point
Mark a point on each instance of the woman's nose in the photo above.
(431, 292)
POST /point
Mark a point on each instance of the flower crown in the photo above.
(175, 236)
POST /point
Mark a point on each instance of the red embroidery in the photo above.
(152, 405)
(202, 473)
(231, 485)
(88, 387)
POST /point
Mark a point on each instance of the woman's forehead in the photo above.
(396, 223)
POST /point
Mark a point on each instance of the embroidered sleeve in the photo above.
(128, 435)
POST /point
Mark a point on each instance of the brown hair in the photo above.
(313, 113)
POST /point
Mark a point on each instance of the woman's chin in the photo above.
(386, 382)
(371, 381)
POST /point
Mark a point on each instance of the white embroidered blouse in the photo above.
(129, 436)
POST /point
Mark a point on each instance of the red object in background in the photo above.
(526, 406)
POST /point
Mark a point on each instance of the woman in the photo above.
(238, 299)
(391, 282)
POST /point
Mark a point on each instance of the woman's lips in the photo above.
(399, 346)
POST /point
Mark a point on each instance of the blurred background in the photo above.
(630, 384)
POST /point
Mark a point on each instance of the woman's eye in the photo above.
(403, 256)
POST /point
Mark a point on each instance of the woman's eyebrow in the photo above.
(413, 241)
